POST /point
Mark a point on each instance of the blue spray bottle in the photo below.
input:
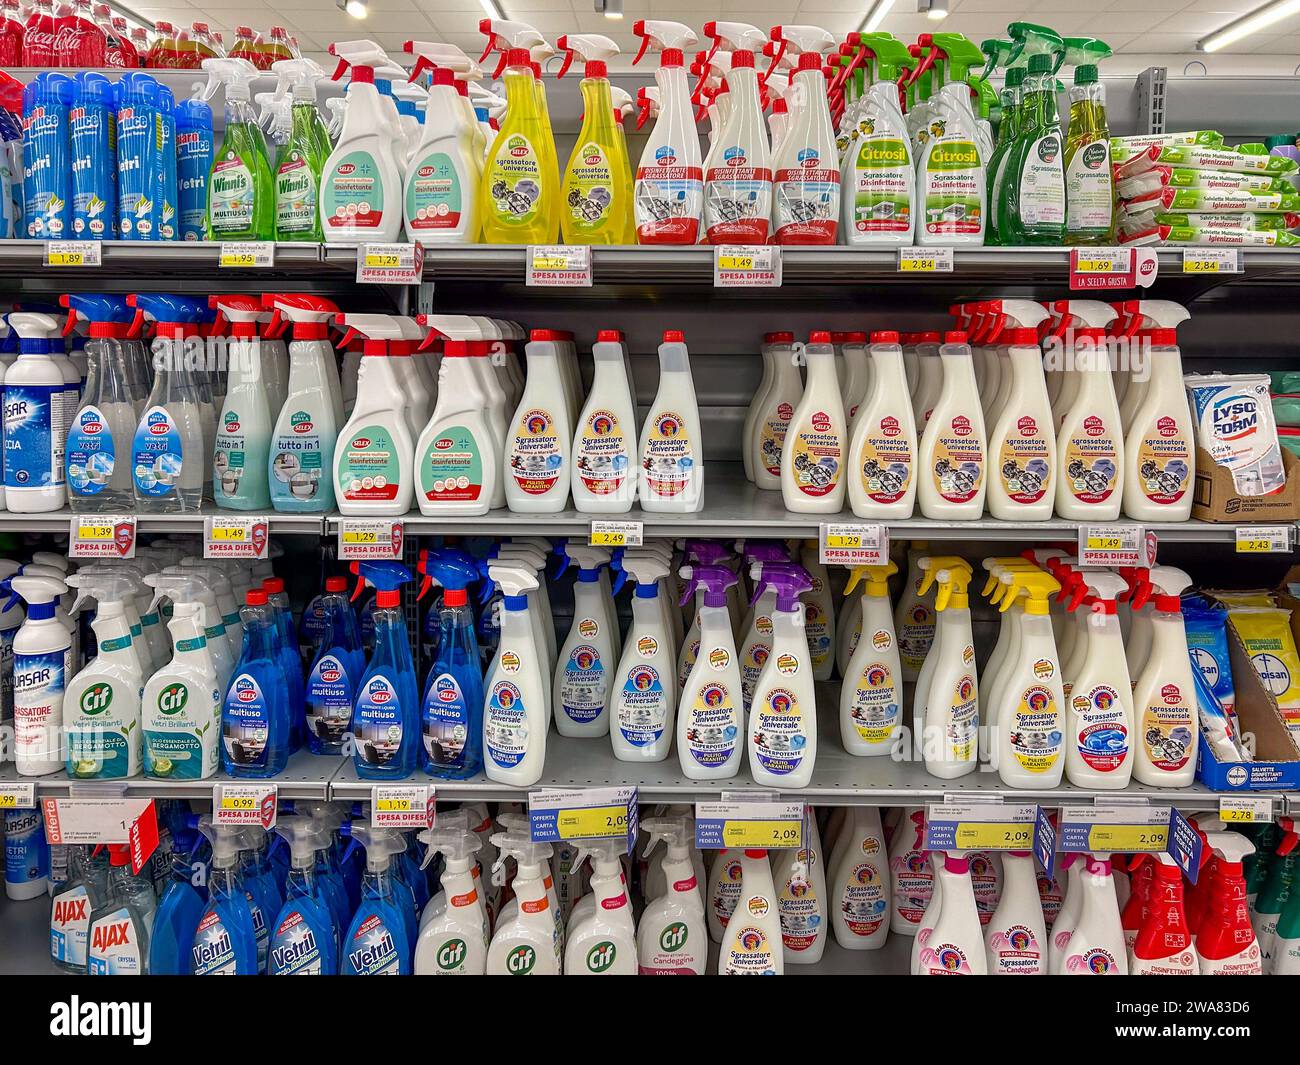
(167, 206)
(92, 131)
(171, 942)
(290, 660)
(386, 712)
(255, 712)
(193, 162)
(335, 670)
(225, 943)
(304, 939)
(404, 870)
(47, 168)
(139, 134)
(327, 817)
(376, 943)
(264, 895)
(451, 717)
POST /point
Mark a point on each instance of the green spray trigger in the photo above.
(1029, 39)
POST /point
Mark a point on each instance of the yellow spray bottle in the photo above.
(596, 205)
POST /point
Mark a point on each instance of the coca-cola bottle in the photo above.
(11, 34)
(139, 38)
(79, 44)
(38, 35)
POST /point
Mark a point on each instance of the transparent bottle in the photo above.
(99, 443)
(171, 453)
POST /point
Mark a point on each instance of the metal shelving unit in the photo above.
(59, 521)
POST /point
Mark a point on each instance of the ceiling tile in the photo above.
(1199, 22)
(1130, 21)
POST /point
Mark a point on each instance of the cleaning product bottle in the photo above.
(452, 710)
(604, 440)
(180, 908)
(602, 942)
(1022, 442)
(668, 203)
(955, 943)
(1271, 899)
(255, 715)
(376, 942)
(953, 450)
(583, 674)
(882, 453)
(36, 418)
(372, 457)
(515, 713)
(710, 716)
(672, 935)
(101, 715)
(47, 163)
(643, 697)
(454, 932)
(181, 704)
(859, 883)
(752, 945)
(27, 873)
(597, 179)
(528, 943)
(1158, 457)
(1096, 943)
(300, 159)
(240, 459)
(914, 617)
(782, 732)
(672, 447)
(1015, 941)
(1226, 944)
(43, 664)
(519, 196)
(304, 941)
(1164, 695)
(800, 876)
(225, 943)
(241, 192)
(1164, 942)
(871, 700)
(386, 713)
(812, 455)
(537, 456)
(118, 938)
(194, 142)
(92, 137)
(1089, 183)
(950, 701)
(772, 410)
(951, 183)
(334, 671)
(1031, 184)
(441, 201)
(73, 900)
(911, 883)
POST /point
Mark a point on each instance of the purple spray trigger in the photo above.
(789, 579)
(714, 580)
(707, 552)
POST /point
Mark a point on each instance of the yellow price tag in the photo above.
(238, 802)
(394, 806)
(550, 263)
(912, 265)
(383, 262)
(67, 258)
(360, 536)
(243, 258)
(849, 541)
(8, 800)
(1201, 266)
(617, 538)
(1128, 838)
(762, 834)
(736, 262)
(1105, 543)
(231, 534)
(95, 532)
(1254, 546)
(592, 822)
(1095, 266)
(1241, 815)
(995, 835)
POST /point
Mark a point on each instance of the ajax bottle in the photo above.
(376, 943)
(181, 705)
(73, 902)
(515, 714)
(643, 697)
(441, 201)
(812, 455)
(37, 413)
(42, 666)
(1015, 940)
(1022, 443)
(711, 712)
(881, 475)
(243, 439)
(672, 935)
(953, 452)
(752, 945)
(1164, 697)
(859, 883)
(255, 714)
(454, 933)
(241, 193)
(451, 717)
(871, 696)
(527, 942)
(672, 447)
(537, 456)
(800, 876)
(118, 938)
(386, 713)
(604, 440)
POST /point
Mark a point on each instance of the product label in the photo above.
(1102, 736)
(602, 457)
(817, 624)
(863, 897)
(642, 706)
(1091, 463)
(297, 459)
(367, 465)
(1035, 738)
(668, 198)
(39, 682)
(958, 469)
(712, 726)
(771, 437)
(7, 674)
(737, 198)
(726, 891)
(1164, 463)
(589, 188)
(952, 186)
(915, 635)
(536, 459)
(514, 182)
(986, 885)
(433, 195)
(329, 699)
(807, 199)
(672, 952)
(882, 182)
(505, 725)
(1015, 951)
(885, 461)
(90, 452)
(445, 722)
(352, 196)
(35, 435)
(1089, 192)
(779, 731)
(70, 925)
(115, 948)
(583, 685)
(798, 904)
(913, 885)
(669, 456)
(295, 195)
(294, 950)
(377, 721)
(157, 454)
(1025, 462)
(957, 743)
(1096, 961)
(213, 953)
(246, 722)
(451, 470)
(876, 707)
(754, 657)
(817, 455)
(97, 734)
(1167, 729)
(173, 744)
(749, 950)
(1042, 183)
(373, 950)
(229, 460)
(230, 196)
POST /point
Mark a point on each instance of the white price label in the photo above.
(1263, 539)
(1112, 827)
(247, 254)
(980, 826)
(17, 796)
(390, 264)
(1245, 810)
(616, 534)
(245, 804)
(102, 536)
(73, 253)
(1112, 545)
(746, 266)
(229, 537)
(743, 823)
(849, 544)
(92, 820)
(363, 538)
(925, 260)
(559, 266)
(402, 806)
(1211, 261)
(582, 813)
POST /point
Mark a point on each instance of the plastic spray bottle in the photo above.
(454, 933)
(239, 463)
(1031, 184)
(643, 699)
(300, 160)
(710, 717)
(858, 883)
(812, 455)
(376, 943)
(1164, 693)
(303, 939)
(672, 452)
(772, 409)
(1096, 942)
(672, 935)
(225, 943)
(42, 667)
(441, 201)
(752, 944)
(181, 705)
(47, 162)
(882, 452)
(953, 452)
(1015, 940)
(537, 457)
(386, 714)
(118, 938)
(515, 711)
(603, 941)
(256, 716)
(583, 674)
(1089, 183)
(871, 700)
(334, 671)
(528, 942)
(946, 700)
(241, 192)
(452, 711)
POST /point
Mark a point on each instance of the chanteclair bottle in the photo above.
(1015, 940)
(800, 877)
(1096, 943)
(751, 943)
(946, 702)
(537, 454)
(710, 717)
(584, 671)
(1159, 459)
(858, 882)
(515, 714)
(911, 874)
(772, 409)
(812, 454)
(953, 453)
(671, 478)
(882, 455)
(643, 697)
(871, 696)
(954, 945)
(604, 478)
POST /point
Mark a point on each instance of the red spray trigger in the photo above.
(562, 42)
(638, 27)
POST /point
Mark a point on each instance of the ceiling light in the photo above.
(878, 12)
(491, 8)
(934, 10)
(355, 8)
(611, 9)
(1252, 23)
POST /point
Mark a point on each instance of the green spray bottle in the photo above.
(300, 160)
(1008, 130)
(1089, 183)
(241, 204)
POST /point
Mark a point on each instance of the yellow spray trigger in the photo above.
(875, 576)
(1037, 585)
(953, 584)
(931, 564)
(996, 564)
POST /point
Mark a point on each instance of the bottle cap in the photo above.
(273, 585)
(819, 337)
(336, 584)
(611, 336)
(674, 336)
(955, 337)
(884, 336)
(255, 597)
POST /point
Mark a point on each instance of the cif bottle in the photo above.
(42, 667)
(454, 932)
(537, 455)
(515, 713)
(1164, 696)
(812, 455)
(528, 942)
(241, 193)
(602, 941)
(181, 705)
(871, 696)
(953, 452)
(386, 713)
(738, 169)
(882, 456)
(36, 418)
(451, 718)
(604, 438)
(243, 439)
(672, 447)
(1022, 442)
(255, 713)
(376, 943)
(711, 713)
(752, 944)
(672, 936)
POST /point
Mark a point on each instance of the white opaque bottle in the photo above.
(858, 883)
(514, 715)
(1100, 738)
(671, 477)
(1015, 940)
(710, 716)
(643, 699)
(882, 452)
(955, 944)
(604, 478)
(782, 729)
(1096, 945)
(1022, 441)
(772, 410)
(584, 670)
(1165, 713)
(950, 703)
(537, 456)
(953, 450)
(871, 696)
(800, 877)
(751, 944)
(441, 202)
(812, 456)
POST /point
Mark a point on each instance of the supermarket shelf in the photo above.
(139, 258)
(58, 521)
(307, 776)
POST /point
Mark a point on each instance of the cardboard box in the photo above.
(1215, 497)
(1277, 759)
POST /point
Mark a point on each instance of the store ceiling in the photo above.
(1148, 27)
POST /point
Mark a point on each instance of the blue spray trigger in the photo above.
(616, 564)
(383, 576)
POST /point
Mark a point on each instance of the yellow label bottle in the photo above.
(518, 201)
